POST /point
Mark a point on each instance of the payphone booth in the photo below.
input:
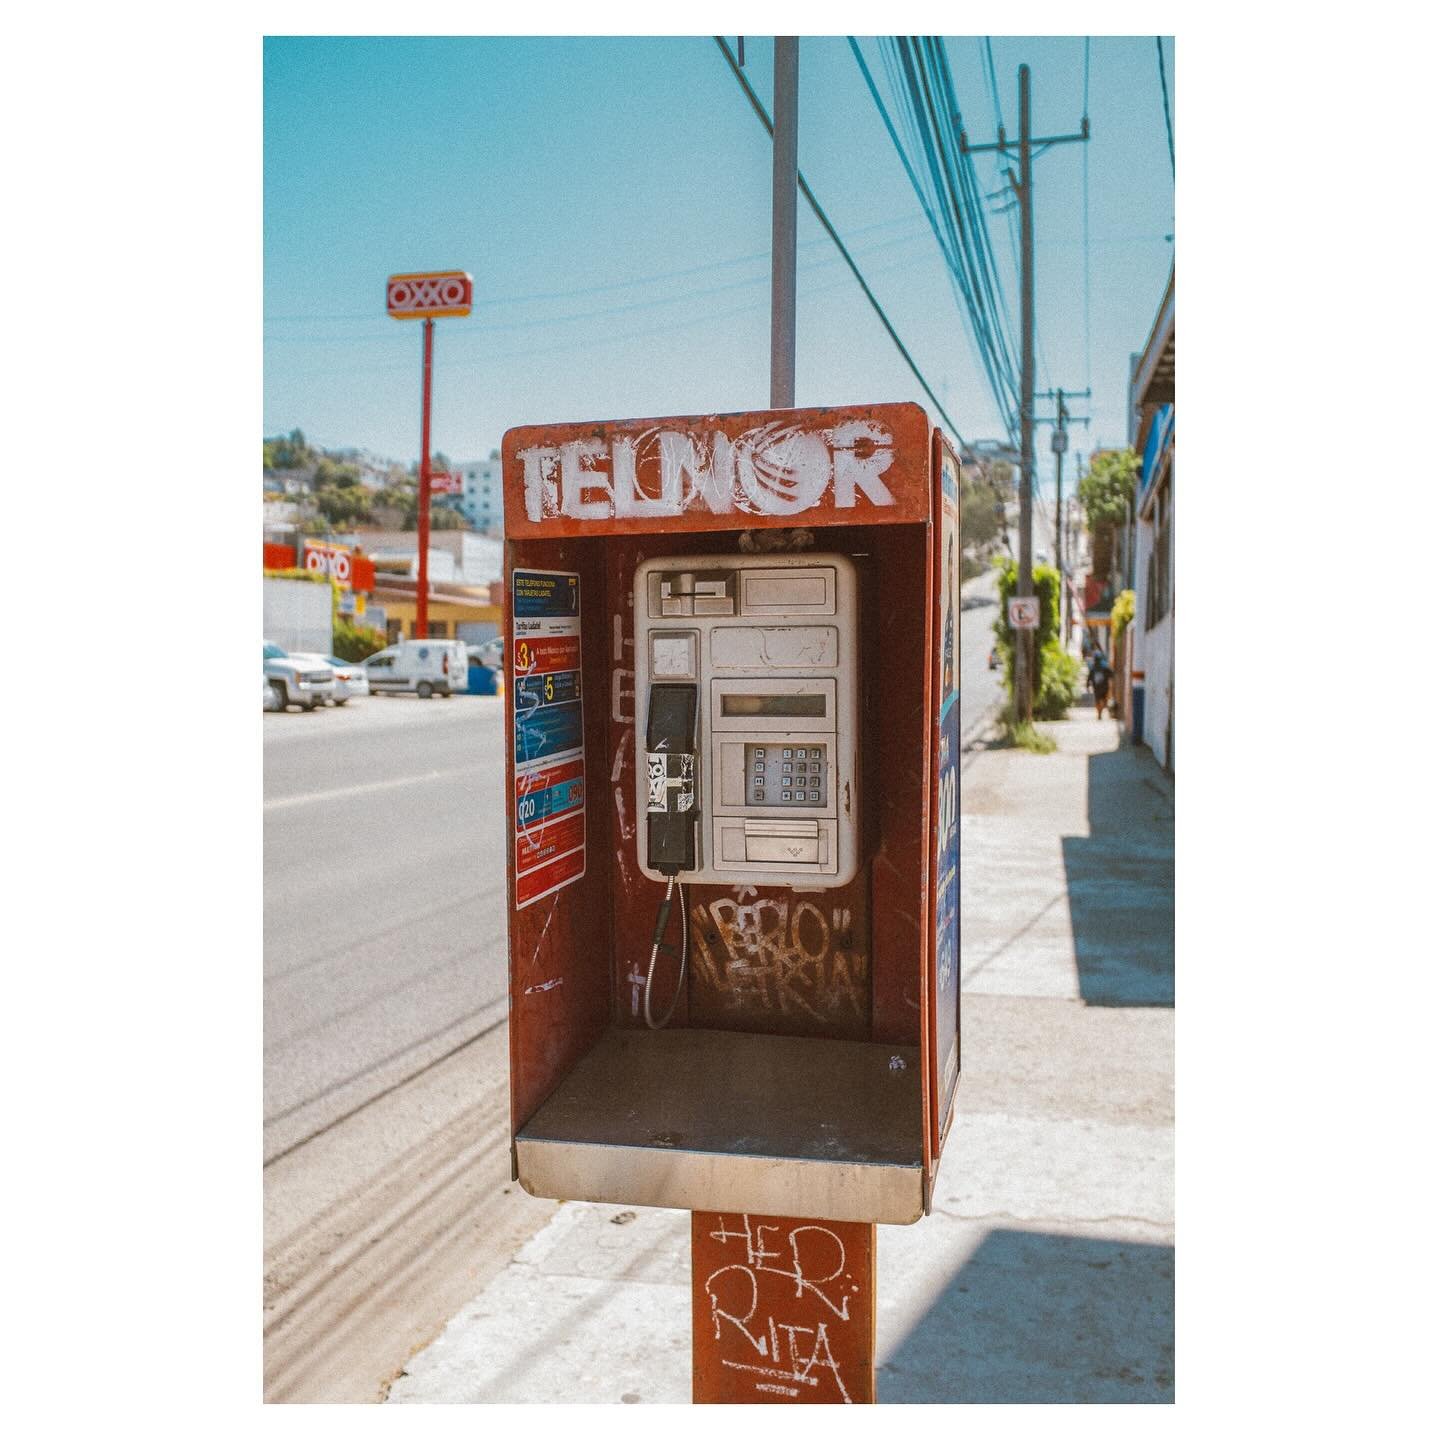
(732, 812)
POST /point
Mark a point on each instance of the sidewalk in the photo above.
(1046, 1272)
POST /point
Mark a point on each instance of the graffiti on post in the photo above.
(782, 1310)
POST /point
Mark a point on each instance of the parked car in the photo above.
(426, 667)
(350, 677)
(491, 653)
(306, 683)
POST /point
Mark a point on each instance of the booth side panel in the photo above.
(900, 755)
(942, 1045)
(558, 943)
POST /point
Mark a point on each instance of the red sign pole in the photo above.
(423, 296)
(422, 586)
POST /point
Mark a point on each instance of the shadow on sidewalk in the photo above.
(1120, 881)
(1036, 1318)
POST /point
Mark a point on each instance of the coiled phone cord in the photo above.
(662, 922)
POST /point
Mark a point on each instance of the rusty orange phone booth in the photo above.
(731, 796)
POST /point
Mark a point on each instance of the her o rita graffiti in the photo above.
(785, 1310)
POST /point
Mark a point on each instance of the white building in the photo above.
(1153, 389)
(480, 500)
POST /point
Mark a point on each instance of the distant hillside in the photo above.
(339, 489)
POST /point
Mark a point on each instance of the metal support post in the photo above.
(422, 582)
(1024, 656)
(784, 195)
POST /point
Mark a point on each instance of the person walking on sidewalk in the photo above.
(1100, 673)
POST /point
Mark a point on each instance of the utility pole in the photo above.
(1059, 438)
(783, 201)
(1024, 652)
(1059, 443)
(1024, 189)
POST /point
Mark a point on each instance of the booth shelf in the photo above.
(719, 1120)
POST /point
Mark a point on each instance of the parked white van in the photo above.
(428, 667)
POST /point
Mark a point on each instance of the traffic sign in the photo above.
(1025, 612)
(425, 296)
(445, 482)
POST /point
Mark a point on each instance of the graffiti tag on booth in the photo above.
(549, 733)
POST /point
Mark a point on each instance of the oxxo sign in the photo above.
(331, 560)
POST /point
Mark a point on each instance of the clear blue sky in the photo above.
(611, 198)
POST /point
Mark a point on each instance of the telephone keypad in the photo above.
(780, 777)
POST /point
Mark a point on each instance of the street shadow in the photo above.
(1120, 881)
(1038, 1318)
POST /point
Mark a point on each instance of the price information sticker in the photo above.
(549, 733)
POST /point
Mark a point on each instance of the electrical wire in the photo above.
(662, 922)
(944, 181)
(1165, 96)
(830, 230)
(492, 301)
(474, 336)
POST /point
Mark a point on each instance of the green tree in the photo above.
(1059, 671)
(1000, 475)
(355, 642)
(1122, 613)
(334, 475)
(1107, 487)
(979, 524)
(343, 507)
(288, 452)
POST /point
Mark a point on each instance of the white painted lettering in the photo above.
(862, 456)
(775, 469)
(541, 498)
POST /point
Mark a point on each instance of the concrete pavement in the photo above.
(1046, 1272)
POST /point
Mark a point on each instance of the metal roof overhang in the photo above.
(1154, 378)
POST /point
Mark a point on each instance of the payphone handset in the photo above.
(747, 719)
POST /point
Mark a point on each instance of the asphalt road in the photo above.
(384, 899)
(981, 689)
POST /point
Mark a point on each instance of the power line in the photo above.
(491, 326)
(944, 183)
(830, 230)
(570, 346)
(1165, 96)
(497, 300)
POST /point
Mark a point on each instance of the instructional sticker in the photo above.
(549, 733)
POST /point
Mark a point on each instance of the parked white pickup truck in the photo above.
(297, 681)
